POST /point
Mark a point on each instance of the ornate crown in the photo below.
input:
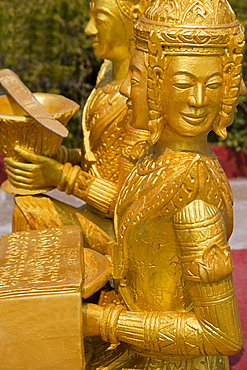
(133, 9)
(187, 26)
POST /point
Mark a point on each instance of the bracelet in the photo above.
(63, 177)
(108, 323)
(72, 176)
(68, 178)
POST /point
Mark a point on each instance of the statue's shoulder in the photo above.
(164, 186)
(205, 253)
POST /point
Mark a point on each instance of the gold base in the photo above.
(9, 188)
(97, 271)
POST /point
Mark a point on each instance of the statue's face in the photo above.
(109, 38)
(134, 87)
(192, 93)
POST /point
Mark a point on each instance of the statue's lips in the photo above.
(129, 105)
(95, 43)
(194, 119)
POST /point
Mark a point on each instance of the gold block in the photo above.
(41, 275)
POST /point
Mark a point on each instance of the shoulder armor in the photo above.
(200, 231)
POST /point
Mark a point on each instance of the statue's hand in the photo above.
(39, 172)
(92, 315)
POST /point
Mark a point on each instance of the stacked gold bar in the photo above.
(41, 275)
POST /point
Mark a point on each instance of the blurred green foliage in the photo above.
(43, 41)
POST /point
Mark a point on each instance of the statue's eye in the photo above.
(134, 81)
(214, 85)
(99, 21)
(214, 82)
(100, 18)
(182, 85)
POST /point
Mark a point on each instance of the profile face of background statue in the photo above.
(108, 31)
(134, 87)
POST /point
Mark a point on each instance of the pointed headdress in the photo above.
(188, 26)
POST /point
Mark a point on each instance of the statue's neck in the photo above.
(180, 143)
(120, 68)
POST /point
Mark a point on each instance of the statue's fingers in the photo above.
(31, 157)
(9, 163)
(20, 185)
(19, 172)
(18, 180)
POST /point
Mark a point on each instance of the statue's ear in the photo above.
(158, 77)
(139, 8)
(136, 13)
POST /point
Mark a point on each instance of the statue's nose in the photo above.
(125, 87)
(90, 28)
(198, 97)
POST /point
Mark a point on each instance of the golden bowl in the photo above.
(17, 128)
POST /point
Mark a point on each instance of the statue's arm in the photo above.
(212, 328)
(39, 171)
(99, 193)
(65, 154)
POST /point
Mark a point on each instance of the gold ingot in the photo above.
(43, 278)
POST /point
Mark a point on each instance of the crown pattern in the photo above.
(180, 26)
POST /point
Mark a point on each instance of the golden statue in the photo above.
(172, 263)
(96, 179)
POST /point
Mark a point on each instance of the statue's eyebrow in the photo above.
(216, 74)
(134, 67)
(188, 74)
(102, 10)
